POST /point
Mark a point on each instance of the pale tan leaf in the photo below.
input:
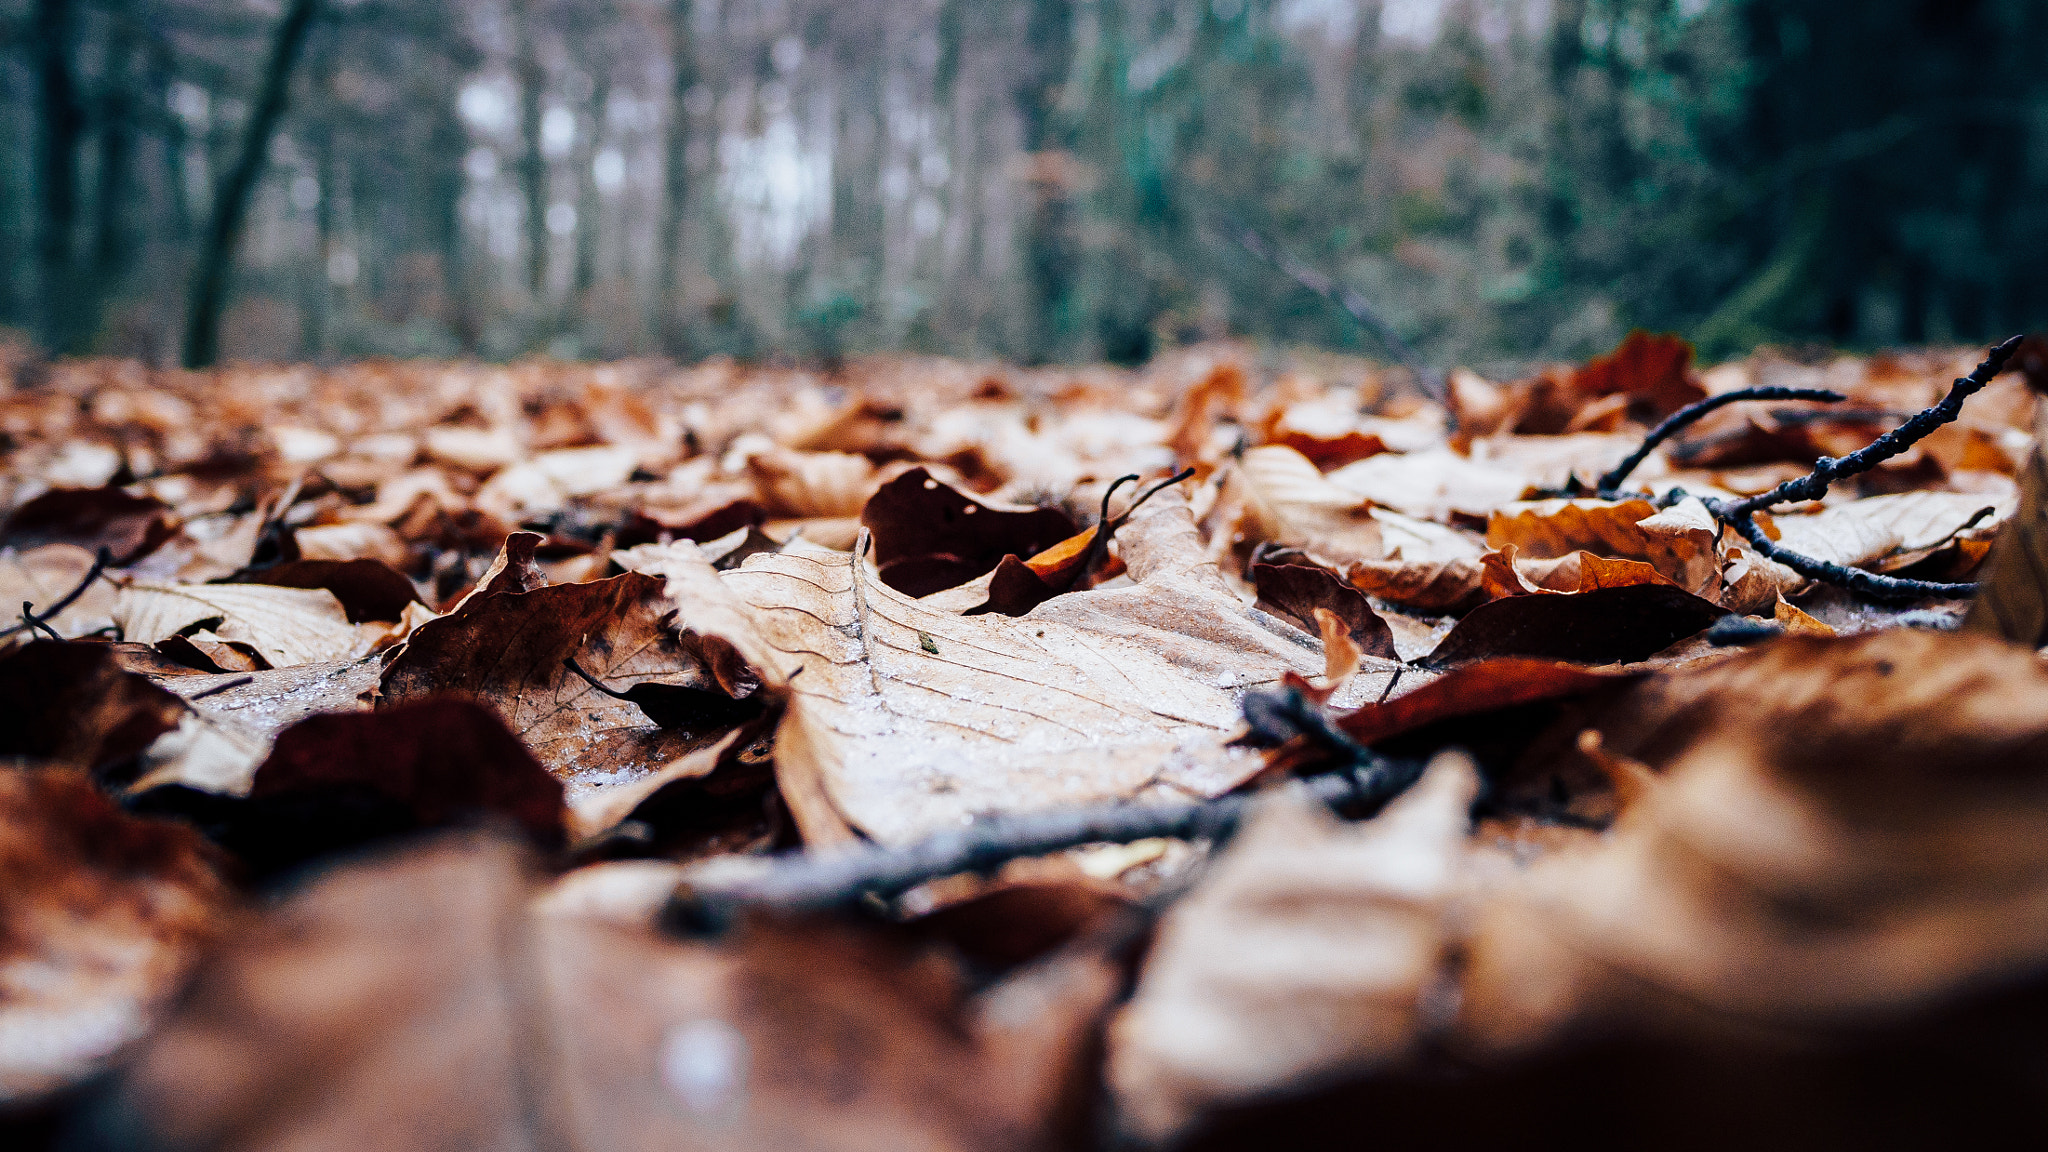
(287, 625)
(1309, 951)
(1679, 542)
(909, 719)
(46, 574)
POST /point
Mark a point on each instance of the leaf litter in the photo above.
(1071, 758)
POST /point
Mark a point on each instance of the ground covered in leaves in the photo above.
(1247, 751)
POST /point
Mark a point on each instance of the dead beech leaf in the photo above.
(1092, 696)
(1653, 371)
(1842, 826)
(101, 915)
(1508, 574)
(444, 761)
(1605, 626)
(1309, 950)
(810, 1037)
(1297, 591)
(804, 485)
(45, 575)
(1287, 501)
(287, 625)
(367, 589)
(1863, 532)
(1678, 542)
(355, 541)
(1437, 484)
(929, 536)
(508, 649)
(73, 704)
(2012, 598)
(126, 525)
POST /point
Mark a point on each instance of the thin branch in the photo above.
(1867, 584)
(28, 620)
(101, 561)
(1831, 469)
(1741, 514)
(806, 882)
(1692, 414)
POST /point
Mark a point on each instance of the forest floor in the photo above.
(1251, 750)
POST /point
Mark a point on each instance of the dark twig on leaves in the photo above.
(1741, 514)
(223, 686)
(1830, 469)
(1354, 305)
(1691, 414)
(570, 663)
(1365, 783)
(1866, 584)
(39, 621)
(29, 621)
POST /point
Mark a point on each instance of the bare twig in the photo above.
(1741, 514)
(810, 883)
(28, 620)
(1830, 469)
(31, 621)
(223, 686)
(1691, 414)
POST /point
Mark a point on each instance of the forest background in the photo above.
(1043, 180)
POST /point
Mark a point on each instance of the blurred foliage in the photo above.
(1504, 180)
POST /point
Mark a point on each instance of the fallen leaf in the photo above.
(1679, 542)
(101, 916)
(127, 526)
(1653, 371)
(73, 704)
(366, 589)
(287, 625)
(527, 1024)
(44, 576)
(2012, 598)
(1841, 826)
(1296, 591)
(1286, 501)
(1087, 697)
(1607, 626)
(929, 536)
(1311, 949)
(509, 648)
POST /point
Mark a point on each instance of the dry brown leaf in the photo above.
(802, 485)
(508, 648)
(1843, 826)
(1286, 501)
(2012, 600)
(287, 625)
(1437, 484)
(1313, 948)
(101, 915)
(45, 575)
(426, 1000)
(1678, 542)
(909, 720)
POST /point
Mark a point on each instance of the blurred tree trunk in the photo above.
(675, 207)
(1048, 140)
(319, 298)
(589, 212)
(60, 122)
(533, 165)
(231, 195)
(118, 110)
